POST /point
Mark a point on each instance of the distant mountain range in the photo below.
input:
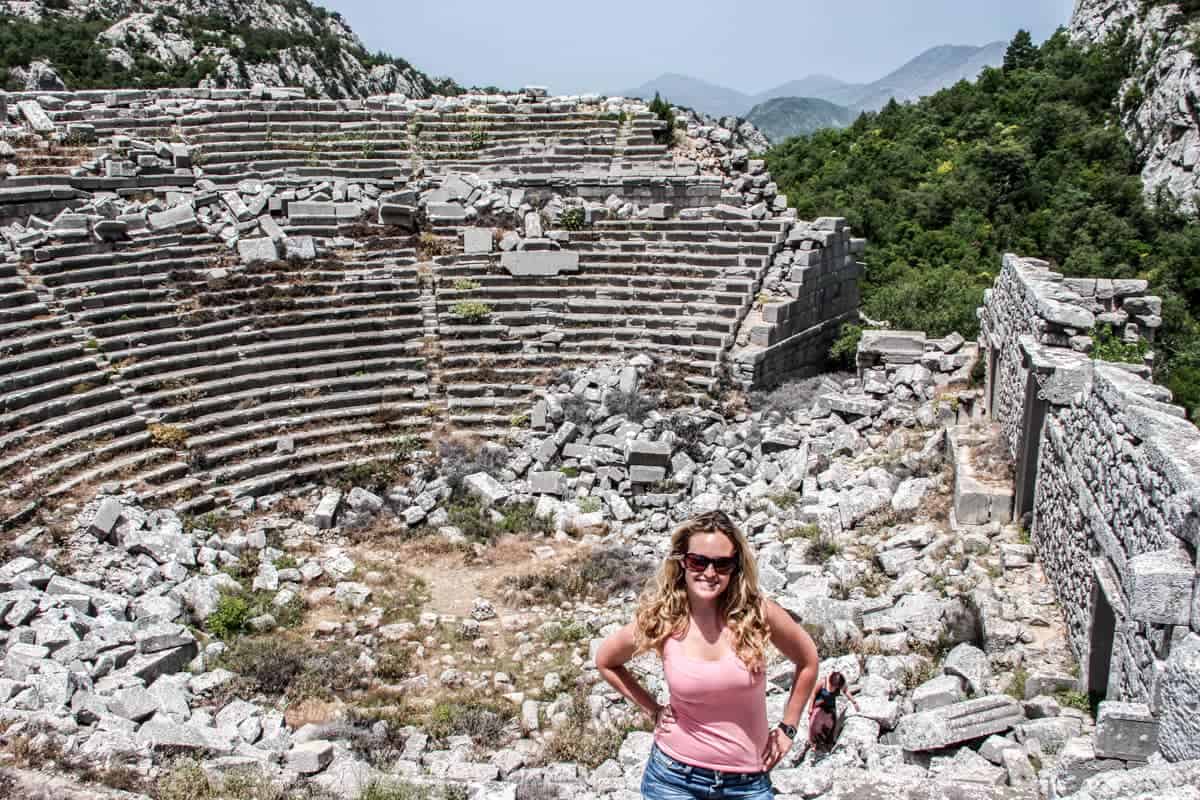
(932, 70)
(782, 117)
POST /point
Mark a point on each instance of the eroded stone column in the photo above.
(1054, 376)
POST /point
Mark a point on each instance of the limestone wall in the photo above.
(1109, 473)
(1029, 299)
(792, 338)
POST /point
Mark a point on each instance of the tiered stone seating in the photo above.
(303, 139)
(179, 361)
(533, 140)
(62, 420)
(678, 289)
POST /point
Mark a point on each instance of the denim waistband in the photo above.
(715, 775)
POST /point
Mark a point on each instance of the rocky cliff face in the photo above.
(1159, 100)
(210, 44)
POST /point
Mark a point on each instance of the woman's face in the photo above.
(707, 586)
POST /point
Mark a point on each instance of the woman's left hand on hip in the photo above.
(778, 744)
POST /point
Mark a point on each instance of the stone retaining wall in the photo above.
(793, 337)
(1109, 473)
(1029, 299)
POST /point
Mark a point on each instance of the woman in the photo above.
(706, 618)
(822, 717)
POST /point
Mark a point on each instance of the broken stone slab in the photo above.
(180, 218)
(942, 691)
(252, 251)
(910, 494)
(477, 241)
(105, 601)
(539, 263)
(1179, 725)
(644, 474)
(856, 405)
(326, 511)
(302, 248)
(1127, 731)
(725, 211)
(160, 733)
(364, 502)
(533, 225)
(107, 516)
(151, 666)
(36, 116)
(134, 703)
(1160, 586)
(551, 482)
(961, 722)
(111, 230)
(971, 664)
(310, 757)
(489, 490)
(650, 454)
(891, 347)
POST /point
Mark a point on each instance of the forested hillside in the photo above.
(49, 44)
(1029, 159)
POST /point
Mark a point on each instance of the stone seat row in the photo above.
(292, 353)
(132, 319)
(144, 246)
(240, 331)
(596, 280)
(603, 342)
(222, 393)
(689, 300)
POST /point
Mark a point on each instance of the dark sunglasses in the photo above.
(694, 562)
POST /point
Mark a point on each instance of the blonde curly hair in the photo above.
(663, 610)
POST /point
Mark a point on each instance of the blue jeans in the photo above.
(668, 779)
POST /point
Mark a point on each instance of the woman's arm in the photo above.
(795, 644)
(850, 696)
(611, 658)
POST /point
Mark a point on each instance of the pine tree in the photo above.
(1021, 54)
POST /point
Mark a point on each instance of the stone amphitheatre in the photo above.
(335, 435)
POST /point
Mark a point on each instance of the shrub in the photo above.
(589, 505)
(391, 789)
(809, 532)
(471, 310)
(597, 575)
(1016, 687)
(632, 405)
(229, 618)
(572, 219)
(459, 457)
(784, 500)
(286, 665)
(477, 522)
(576, 409)
(1077, 700)
(662, 109)
(483, 719)
(1107, 347)
(581, 741)
(843, 353)
(375, 476)
(465, 285)
(429, 246)
(822, 549)
(788, 397)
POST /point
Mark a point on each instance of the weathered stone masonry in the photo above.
(793, 337)
(1110, 473)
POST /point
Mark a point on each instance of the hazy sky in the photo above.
(609, 45)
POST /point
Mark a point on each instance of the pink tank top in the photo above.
(720, 712)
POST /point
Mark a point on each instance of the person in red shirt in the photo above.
(709, 622)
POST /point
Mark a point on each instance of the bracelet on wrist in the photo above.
(788, 730)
